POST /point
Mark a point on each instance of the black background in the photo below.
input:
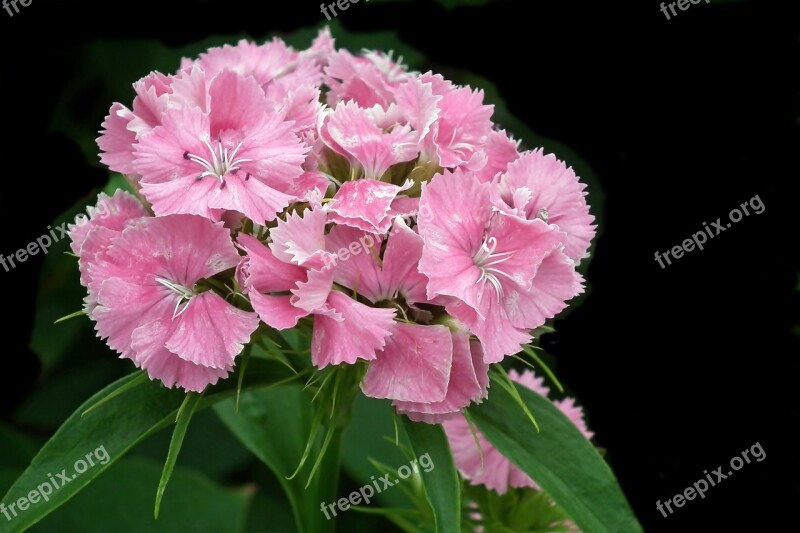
(682, 120)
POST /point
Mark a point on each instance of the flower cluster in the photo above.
(382, 206)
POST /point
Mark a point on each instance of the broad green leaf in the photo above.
(371, 435)
(121, 500)
(274, 425)
(559, 458)
(442, 485)
(115, 427)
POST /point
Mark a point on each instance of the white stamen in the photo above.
(223, 161)
(183, 293)
(485, 259)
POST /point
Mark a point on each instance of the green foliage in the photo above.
(558, 457)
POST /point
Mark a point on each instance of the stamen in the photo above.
(184, 295)
(222, 163)
(543, 214)
(486, 260)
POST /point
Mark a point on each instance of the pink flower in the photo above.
(462, 127)
(541, 186)
(495, 471)
(265, 62)
(469, 382)
(428, 371)
(365, 204)
(238, 157)
(500, 152)
(367, 80)
(352, 132)
(154, 308)
(504, 275)
(296, 263)
(114, 213)
(92, 236)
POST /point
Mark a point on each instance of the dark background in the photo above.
(680, 368)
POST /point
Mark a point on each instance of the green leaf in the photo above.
(185, 414)
(274, 425)
(442, 485)
(130, 417)
(371, 435)
(117, 426)
(121, 500)
(559, 458)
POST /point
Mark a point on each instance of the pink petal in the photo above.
(312, 294)
(357, 79)
(400, 262)
(575, 415)
(359, 269)
(182, 196)
(123, 306)
(237, 103)
(557, 190)
(453, 234)
(276, 311)
(500, 151)
(364, 204)
(301, 238)
(307, 185)
(419, 105)
(414, 366)
(530, 380)
(357, 334)
(190, 88)
(94, 244)
(116, 140)
(211, 332)
(556, 282)
(165, 366)
(264, 272)
(181, 248)
(159, 156)
(298, 104)
(114, 213)
(463, 126)
(485, 465)
(497, 334)
(260, 202)
(276, 154)
(350, 131)
(152, 100)
(464, 387)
